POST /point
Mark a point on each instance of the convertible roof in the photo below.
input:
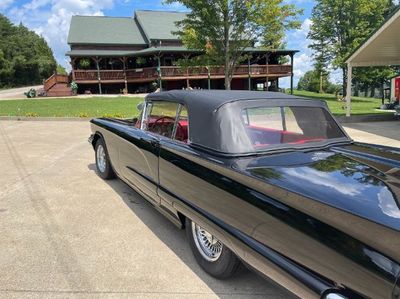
(211, 100)
(214, 115)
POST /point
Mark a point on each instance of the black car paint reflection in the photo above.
(326, 217)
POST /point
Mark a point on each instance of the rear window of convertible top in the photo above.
(272, 126)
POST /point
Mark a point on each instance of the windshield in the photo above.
(269, 127)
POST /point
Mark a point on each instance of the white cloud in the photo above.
(336, 76)
(51, 19)
(175, 6)
(388, 204)
(303, 62)
(297, 2)
(325, 179)
(5, 4)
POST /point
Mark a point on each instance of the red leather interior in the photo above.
(182, 131)
(265, 136)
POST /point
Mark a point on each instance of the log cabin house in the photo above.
(135, 54)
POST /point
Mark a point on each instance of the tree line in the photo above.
(25, 57)
(338, 28)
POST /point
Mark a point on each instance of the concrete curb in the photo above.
(366, 118)
(24, 118)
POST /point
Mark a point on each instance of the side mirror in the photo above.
(140, 106)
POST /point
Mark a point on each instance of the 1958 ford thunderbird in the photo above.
(268, 180)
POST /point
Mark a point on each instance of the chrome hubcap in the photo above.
(208, 245)
(101, 158)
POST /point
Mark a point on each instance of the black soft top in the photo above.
(215, 120)
(211, 100)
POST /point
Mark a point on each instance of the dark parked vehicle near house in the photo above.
(268, 180)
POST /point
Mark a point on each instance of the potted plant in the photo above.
(140, 61)
(31, 93)
(84, 63)
(74, 88)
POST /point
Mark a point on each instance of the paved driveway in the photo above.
(386, 133)
(16, 93)
(67, 233)
(64, 232)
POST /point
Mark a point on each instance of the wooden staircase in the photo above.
(57, 86)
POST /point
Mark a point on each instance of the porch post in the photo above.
(159, 71)
(125, 79)
(267, 71)
(98, 74)
(209, 77)
(291, 72)
(73, 62)
(348, 91)
(186, 69)
(249, 72)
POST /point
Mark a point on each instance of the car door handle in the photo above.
(154, 143)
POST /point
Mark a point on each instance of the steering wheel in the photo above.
(162, 126)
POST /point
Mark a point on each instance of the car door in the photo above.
(139, 155)
(138, 160)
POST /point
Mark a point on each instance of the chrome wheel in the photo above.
(208, 245)
(101, 158)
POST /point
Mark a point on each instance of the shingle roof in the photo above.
(146, 26)
(155, 50)
(106, 53)
(104, 30)
(159, 25)
(147, 51)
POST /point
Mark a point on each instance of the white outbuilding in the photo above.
(382, 48)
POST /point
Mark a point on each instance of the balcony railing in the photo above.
(171, 72)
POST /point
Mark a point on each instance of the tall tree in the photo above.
(322, 56)
(321, 53)
(25, 57)
(344, 25)
(223, 29)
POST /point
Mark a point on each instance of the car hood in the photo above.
(361, 179)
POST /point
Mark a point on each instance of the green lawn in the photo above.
(72, 107)
(126, 106)
(359, 105)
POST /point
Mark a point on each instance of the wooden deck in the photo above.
(150, 74)
(57, 86)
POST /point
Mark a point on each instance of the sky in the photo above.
(51, 19)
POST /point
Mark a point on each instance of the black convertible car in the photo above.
(268, 180)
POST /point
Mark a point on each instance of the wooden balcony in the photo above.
(176, 73)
